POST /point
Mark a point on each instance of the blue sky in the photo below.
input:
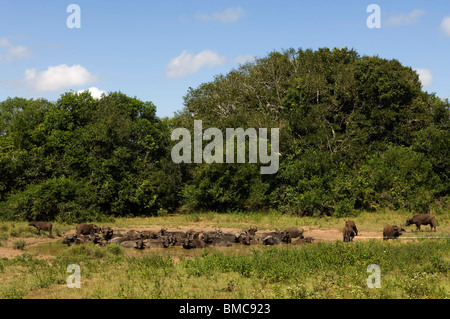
(156, 50)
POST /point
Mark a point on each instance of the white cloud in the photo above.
(229, 15)
(4, 42)
(95, 92)
(57, 77)
(13, 51)
(242, 59)
(445, 26)
(405, 18)
(186, 63)
(425, 76)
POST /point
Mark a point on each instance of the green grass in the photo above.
(319, 270)
(409, 269)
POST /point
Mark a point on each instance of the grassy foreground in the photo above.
(408, 269)
(320, 270)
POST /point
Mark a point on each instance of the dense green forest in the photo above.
(356, 133)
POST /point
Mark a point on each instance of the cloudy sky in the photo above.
(156, 50)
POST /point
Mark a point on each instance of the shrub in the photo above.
(19, 244)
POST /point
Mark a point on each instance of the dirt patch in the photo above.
(10, 252)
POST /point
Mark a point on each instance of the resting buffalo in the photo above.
(271, 240)
(147, 234)
(107, 233)
(352, 224)
(46, 226)
(422, 219)
(161, 242)
(87, 229)
(283, 236)
(246, 238)
(392, 232)
(348, 233)
(134, 235)
(74, 239)
(194, 242)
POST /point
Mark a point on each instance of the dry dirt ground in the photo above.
(322, 234)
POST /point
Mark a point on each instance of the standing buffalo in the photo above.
(352, 224)
(87, 229)
(392, 231)
(295, 232)
(422, 219)
(348, 234)
(46, 226)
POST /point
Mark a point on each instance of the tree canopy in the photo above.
(356, 133)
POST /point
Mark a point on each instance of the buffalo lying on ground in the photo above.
(107, 233)
(301, 241)
(246, 238)
(392, 231)
(278, 237)
(46, 226)
(194, 242)
(78, 240)
(422, 219)
(87, 229)
(271, 240)
(133, 234)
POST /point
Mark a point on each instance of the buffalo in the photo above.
(87, 229)
(193, 242)
(133, 234)
(422, 219)
(74, 239)
(107, 233)
(271, 240)
(46, 226)
(352, 224)
(295, 232)
(392, 232)
(348, 233)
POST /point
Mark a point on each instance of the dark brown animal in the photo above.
(392, 231)
(422, 219)
(252, 231)
(281, 236)
(74, 239)
(147, 234)
(352, 224)
(295, 232)
(140, 244)
(133, 235)
(107, 233)
(161, 242)
(46, 226)
(194, 242)
(87, 229)
(348, 233)
(271, 240)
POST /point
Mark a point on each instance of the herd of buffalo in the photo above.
(194, 239)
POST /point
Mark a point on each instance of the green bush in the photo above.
(19, 244)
